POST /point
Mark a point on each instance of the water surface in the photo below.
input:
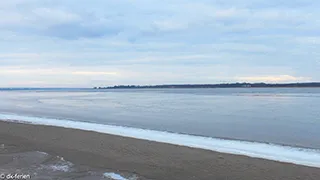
(286, 116)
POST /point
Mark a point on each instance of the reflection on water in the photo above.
(287, 116)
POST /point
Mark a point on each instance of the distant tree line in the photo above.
(226, 85)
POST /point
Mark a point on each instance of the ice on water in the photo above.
(300, 156)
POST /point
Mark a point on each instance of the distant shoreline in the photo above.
(231, 85)
(174, 86)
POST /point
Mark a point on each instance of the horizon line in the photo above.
(171, 84)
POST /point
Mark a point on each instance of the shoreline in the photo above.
(148, 159)
(275, 152)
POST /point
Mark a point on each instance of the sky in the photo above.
(82, 43)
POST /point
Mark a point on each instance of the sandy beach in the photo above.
(148, 160)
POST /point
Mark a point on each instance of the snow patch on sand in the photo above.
(62, 168)
(114, 176)
(43, 153)
(58, 165)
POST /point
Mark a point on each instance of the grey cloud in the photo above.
(152, 37)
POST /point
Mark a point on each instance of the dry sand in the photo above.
(150, 160)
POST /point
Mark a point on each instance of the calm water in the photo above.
(281, 116)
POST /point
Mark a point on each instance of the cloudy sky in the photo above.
(82, 43)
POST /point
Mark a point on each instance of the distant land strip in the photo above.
(226, 85)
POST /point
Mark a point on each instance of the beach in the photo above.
(146, 159)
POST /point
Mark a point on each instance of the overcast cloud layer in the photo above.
(77, 43)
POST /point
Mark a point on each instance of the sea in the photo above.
(281, 124)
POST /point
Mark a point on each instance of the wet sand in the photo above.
(147, 160)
